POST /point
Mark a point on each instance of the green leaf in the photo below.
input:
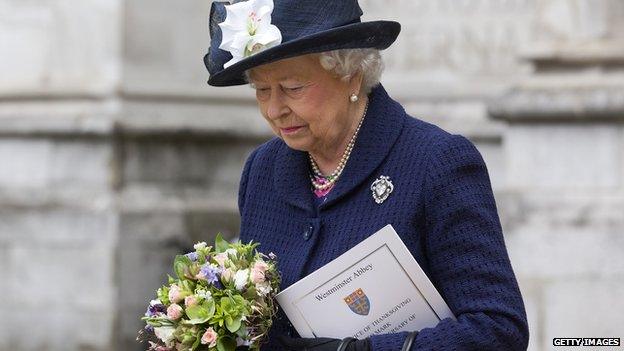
(210, 306)
(220, 244)
(251, 292)
(233, 324)
(188, 287)
(201, 313)
(239, 300)
(196, 343)
(226, 304)
(181, 265)
(226, 344)
(157, 321)
(188, 338)
(242, 332)
(163, 295)
(197, 314)
(241, 305)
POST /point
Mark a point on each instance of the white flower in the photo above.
(204, 294)
(240, 279)
(263, 288)
(227, 275)
(231, 252)
(200, 245)
(247, 29)
(165, 334)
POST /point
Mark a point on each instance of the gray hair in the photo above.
(345, 63)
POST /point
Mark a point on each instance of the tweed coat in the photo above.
(442, 207)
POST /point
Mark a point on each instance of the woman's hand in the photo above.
(321, 344)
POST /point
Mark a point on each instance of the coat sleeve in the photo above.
(242, 188)
(468, 260)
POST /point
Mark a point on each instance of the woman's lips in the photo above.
(290, 130)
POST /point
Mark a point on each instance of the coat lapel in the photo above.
(381, 127)
(292, 180)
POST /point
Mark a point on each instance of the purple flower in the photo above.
(155, 309)
(211, 274)
(192, 256)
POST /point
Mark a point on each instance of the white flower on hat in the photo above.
(247, 29)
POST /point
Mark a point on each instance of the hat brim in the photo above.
(374, 34)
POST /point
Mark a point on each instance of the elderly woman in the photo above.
(306, 194)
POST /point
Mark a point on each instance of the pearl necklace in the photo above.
(323, 182)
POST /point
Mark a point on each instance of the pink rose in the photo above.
(261, 266)
(209, 338)
(258, 272)
(190, 301)
(174, 312)
(220, 258)
(257, 276)
(175, 294)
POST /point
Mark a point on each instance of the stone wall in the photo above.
(564, 147)
(116, 155)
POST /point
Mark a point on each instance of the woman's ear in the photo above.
(355, 82)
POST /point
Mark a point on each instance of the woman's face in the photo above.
(305, 105)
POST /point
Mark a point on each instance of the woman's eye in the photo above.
(294, 89)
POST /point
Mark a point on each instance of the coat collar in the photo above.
(381, 127)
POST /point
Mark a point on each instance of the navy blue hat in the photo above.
(306, 26)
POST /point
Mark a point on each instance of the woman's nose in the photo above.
(276, 107)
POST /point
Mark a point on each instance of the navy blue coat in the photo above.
(442, 206)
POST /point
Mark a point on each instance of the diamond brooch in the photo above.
(381, 188)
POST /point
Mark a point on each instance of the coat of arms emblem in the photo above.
(358, 302)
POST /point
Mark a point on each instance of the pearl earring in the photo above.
(354, 98)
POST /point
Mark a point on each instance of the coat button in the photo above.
(307, 234)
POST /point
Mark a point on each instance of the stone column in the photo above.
(114, 157)
(564, 152)
(59, 70)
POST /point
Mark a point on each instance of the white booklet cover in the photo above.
(376, 287)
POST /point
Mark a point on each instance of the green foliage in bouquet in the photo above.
(220, 299)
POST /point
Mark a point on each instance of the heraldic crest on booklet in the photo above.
(376, 287)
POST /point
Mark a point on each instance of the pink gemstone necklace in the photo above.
(323, 184)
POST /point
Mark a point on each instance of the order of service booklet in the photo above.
(376, 287)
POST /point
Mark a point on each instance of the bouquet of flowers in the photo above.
(223, 297)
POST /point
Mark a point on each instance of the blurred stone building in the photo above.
(115, 154)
